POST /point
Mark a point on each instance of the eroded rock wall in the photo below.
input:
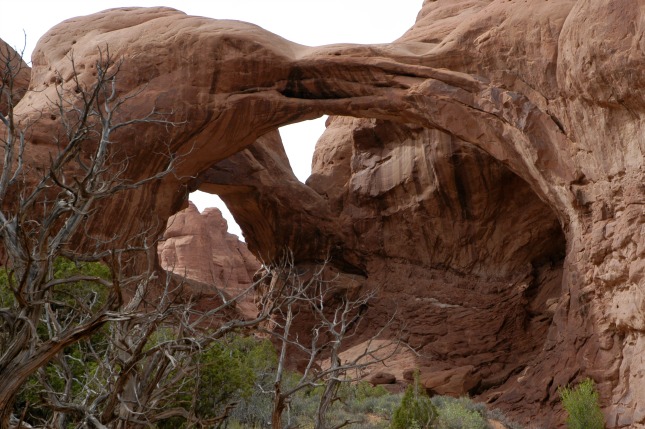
(458, 246)
(456, 240)
(493, 130)
(12, 65)
(196, 246)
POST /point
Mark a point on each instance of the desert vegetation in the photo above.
(582, 405)
(227, 384)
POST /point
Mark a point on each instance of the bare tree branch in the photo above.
(325, 303)
(47, 311)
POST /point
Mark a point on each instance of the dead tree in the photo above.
(310, 296)
(146, 368)
(43, 211)
(133, 374)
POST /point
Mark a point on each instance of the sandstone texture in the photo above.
(484, 172)
(197, 246)
(13, 63)
(453, 382)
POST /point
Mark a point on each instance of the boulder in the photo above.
(452, 382)
(382, 378)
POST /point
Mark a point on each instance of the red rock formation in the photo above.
(12, 64)
(198, 247)
(501, 136)
(452, 238)
(453, 381)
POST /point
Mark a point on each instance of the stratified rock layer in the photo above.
(493, 189)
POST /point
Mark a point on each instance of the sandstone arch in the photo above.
(234, 97)
(464, 248)
(531, 85)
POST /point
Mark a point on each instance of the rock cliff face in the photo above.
(198, 247)
(485, 171)
(12, 61)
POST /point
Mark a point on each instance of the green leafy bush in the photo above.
(229, 370)
(459, 413)
(72, 300)
(582, 405)
(87, 291)
(363, 390)
(416, 409)
(254, 411)
(380, 406)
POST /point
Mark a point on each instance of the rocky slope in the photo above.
(489, 180)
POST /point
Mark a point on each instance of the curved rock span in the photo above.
(485, 171)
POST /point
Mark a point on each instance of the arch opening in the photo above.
(467, 249)
(203, 201)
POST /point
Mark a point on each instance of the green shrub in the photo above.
(364, 390)
(464, 402)
(582, 405)
(497, 414)
(460, 413)
(70, 301)
(381, 406)
(229, 370)
(416, 409)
